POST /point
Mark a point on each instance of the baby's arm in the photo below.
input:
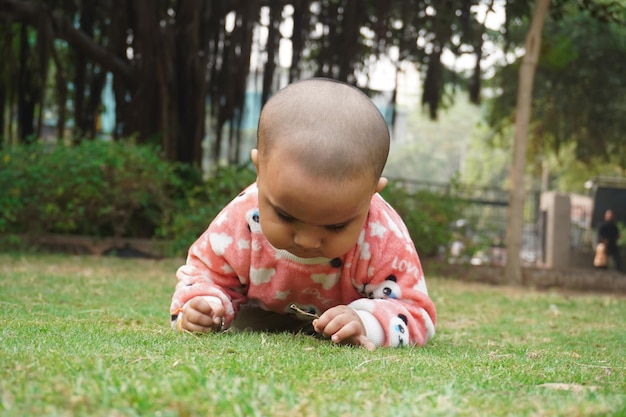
(212, 284)
(394, 307)
(203, 299)
(209, 290)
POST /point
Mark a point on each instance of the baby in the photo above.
(312, 238)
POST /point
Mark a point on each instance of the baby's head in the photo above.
(331, 129)
(322, 146)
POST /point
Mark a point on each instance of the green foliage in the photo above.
(487, 163)
(428, 216)
(122, 189)
(95, 188)
(202, 201)
(427, 150)
(109, 189)
(569, 174)
(579, 95)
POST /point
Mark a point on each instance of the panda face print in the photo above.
(387, 289)
(398, 331)
(252, 218)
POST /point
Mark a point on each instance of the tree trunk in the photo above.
(145, 117)
(26, 91)
(273, 44)
(229, 93)
(81, 122)
(513, 269)
(349, 41)
(120, 21)
(475, 80)
(3, 98)
(190, 77)
(433, 83)
(300, 17)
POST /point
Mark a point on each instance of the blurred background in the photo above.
(188, 78)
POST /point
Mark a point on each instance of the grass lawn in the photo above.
(84, 336)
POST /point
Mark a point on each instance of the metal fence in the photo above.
(482, 228)
(581, 235)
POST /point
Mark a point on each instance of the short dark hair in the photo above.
(332, 128)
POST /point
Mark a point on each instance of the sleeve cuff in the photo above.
(373, 328)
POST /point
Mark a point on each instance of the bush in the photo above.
(427, 215)
(122, 189)
(95, 188)
(201, 203)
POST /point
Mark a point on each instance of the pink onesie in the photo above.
(381, 277)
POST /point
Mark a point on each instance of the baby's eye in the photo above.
(284, 217)
(336, 228)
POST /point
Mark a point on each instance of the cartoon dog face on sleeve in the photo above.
(387, 289)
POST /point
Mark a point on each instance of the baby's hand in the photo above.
(201, 315)
(343, 325)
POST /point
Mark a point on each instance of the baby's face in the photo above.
(309, 217)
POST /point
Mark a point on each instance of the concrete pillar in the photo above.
(557, 214)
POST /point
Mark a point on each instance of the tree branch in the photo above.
(32, 13)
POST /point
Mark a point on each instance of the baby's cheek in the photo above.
(339, 244)
(278, 235)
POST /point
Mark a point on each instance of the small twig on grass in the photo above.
(301, 311)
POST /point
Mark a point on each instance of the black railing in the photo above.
(482, 228)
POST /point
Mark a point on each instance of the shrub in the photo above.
(427, 215)
(200, 204)
(123, 189)
(95, 188)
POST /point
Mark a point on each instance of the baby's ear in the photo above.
(382, 183)
(254, 157)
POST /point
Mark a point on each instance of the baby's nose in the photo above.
(307, 239)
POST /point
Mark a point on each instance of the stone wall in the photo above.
(536, 277)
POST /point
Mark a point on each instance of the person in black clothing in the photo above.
(608, 233)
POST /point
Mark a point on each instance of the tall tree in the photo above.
(513, 268)
(572, 103)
